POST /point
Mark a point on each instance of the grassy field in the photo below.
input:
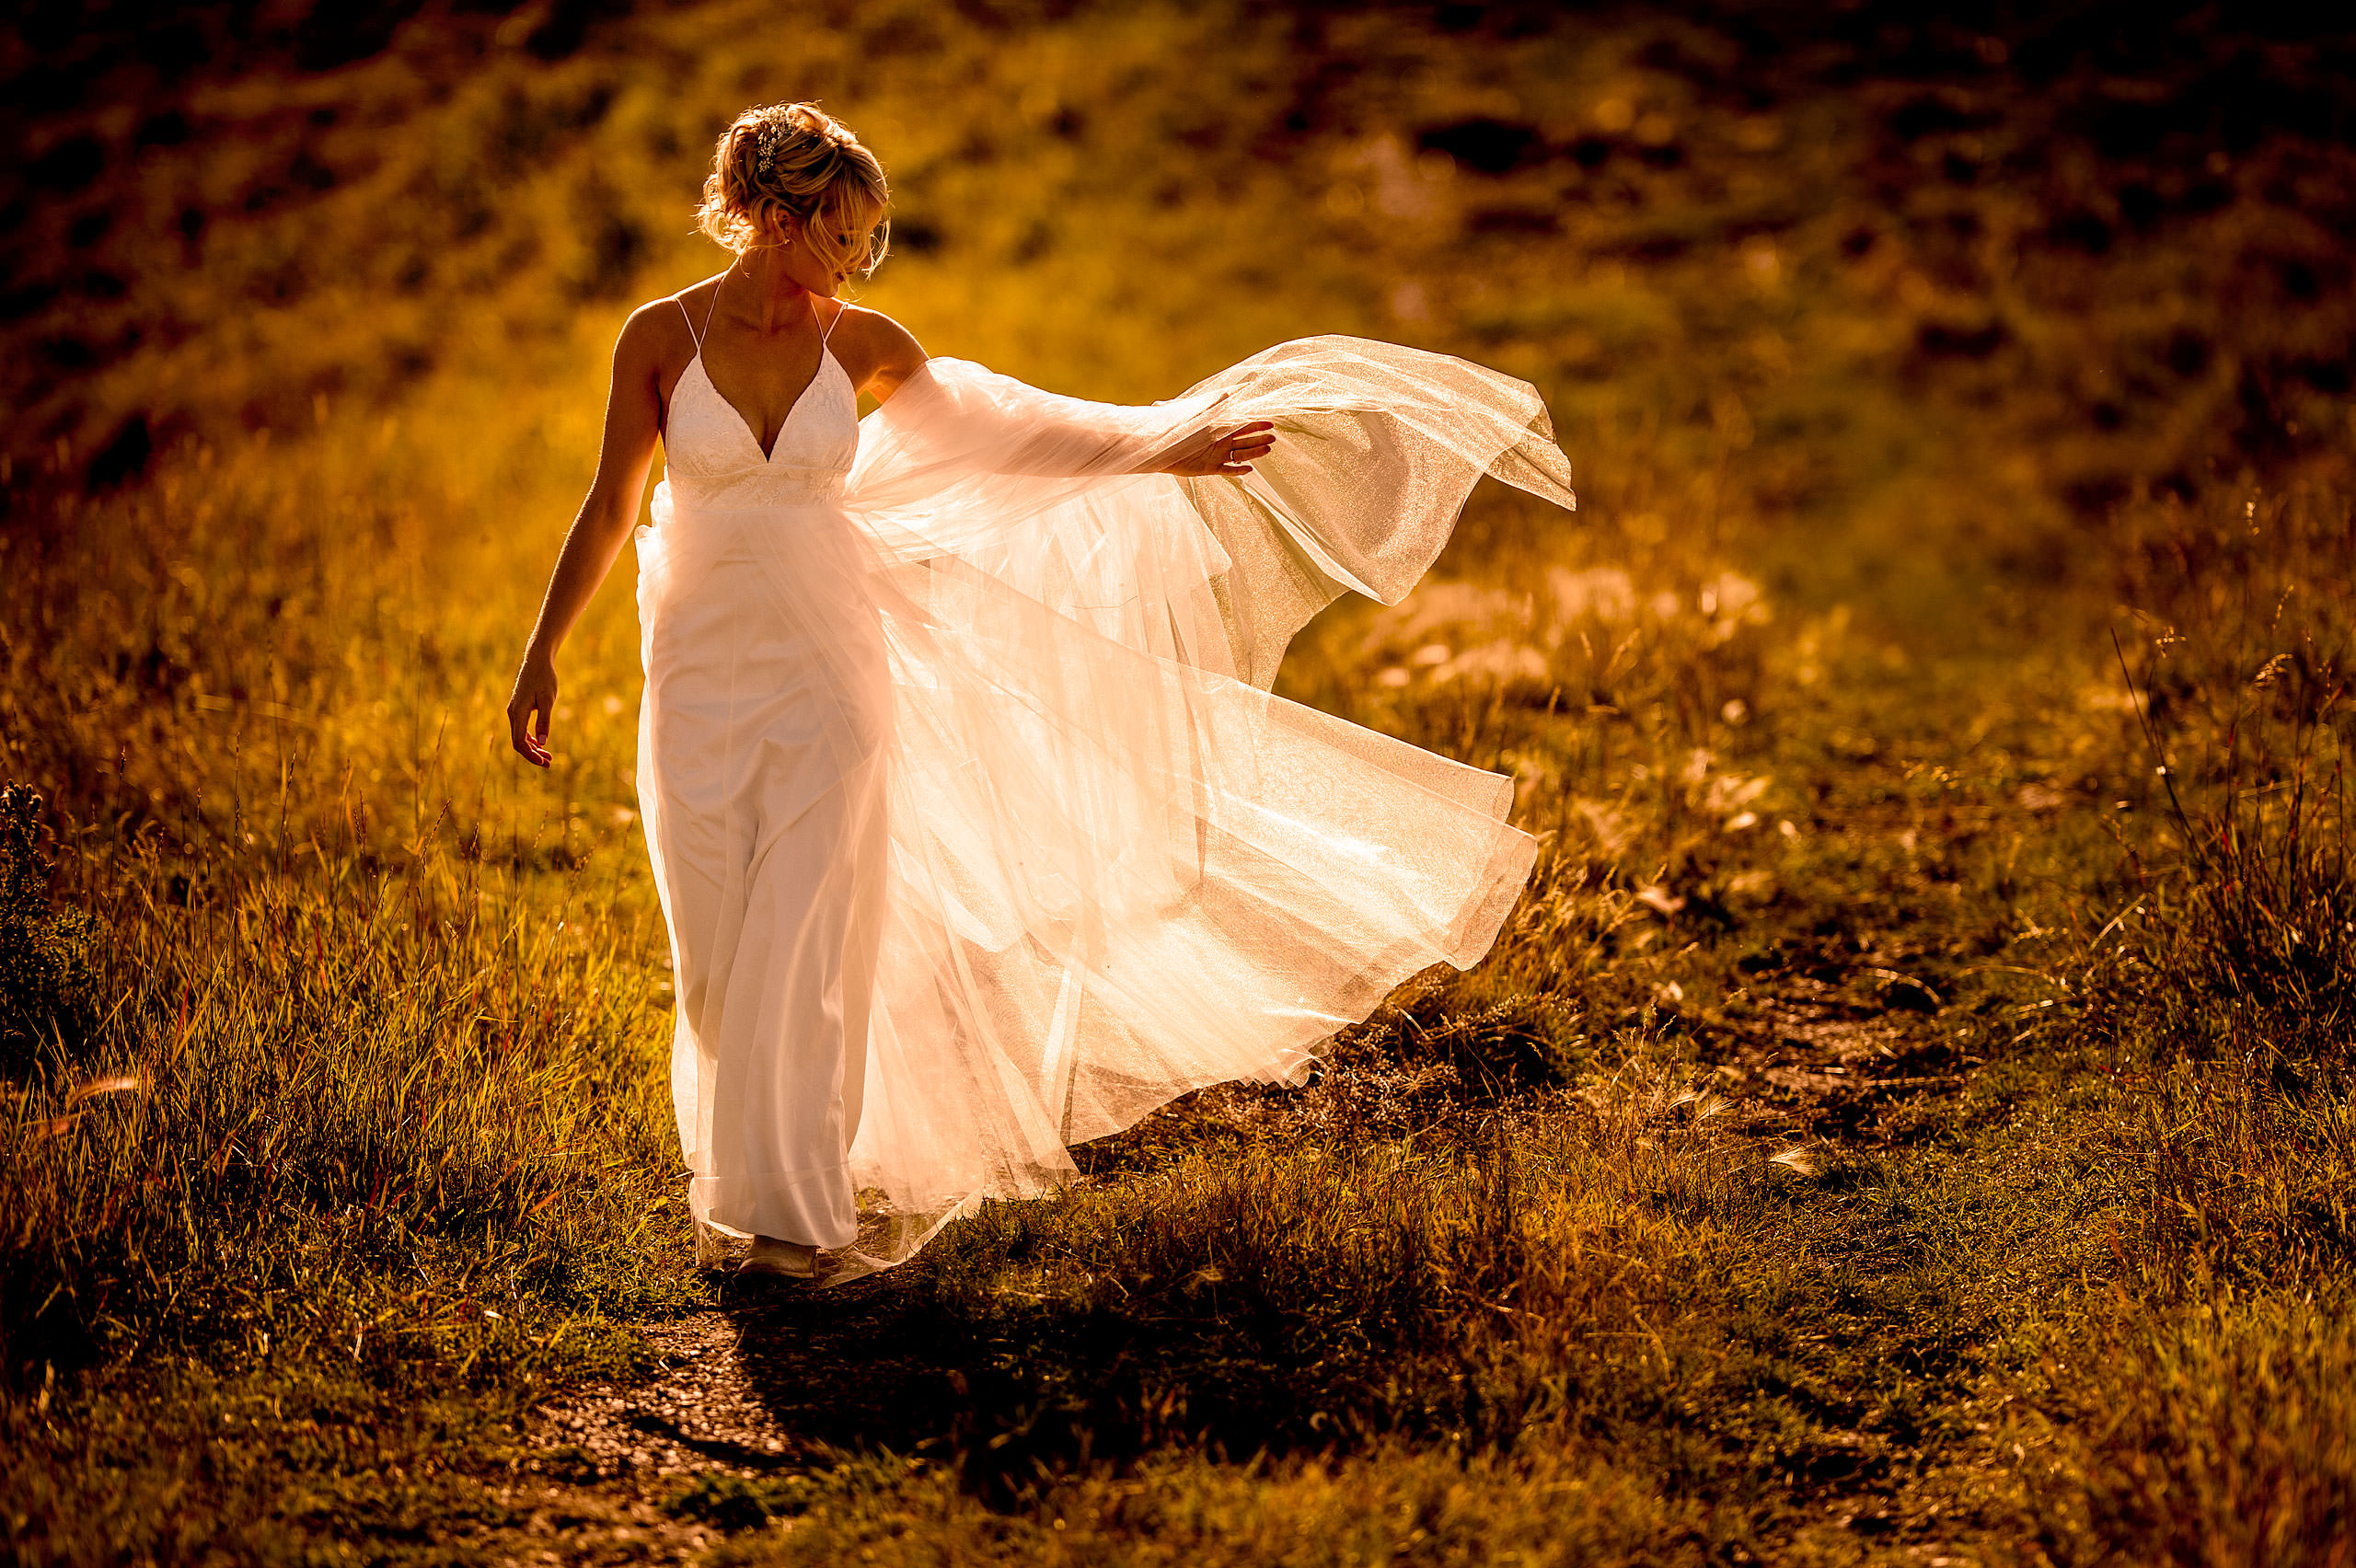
(1908, 1119)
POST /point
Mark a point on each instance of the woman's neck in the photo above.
(762, 289)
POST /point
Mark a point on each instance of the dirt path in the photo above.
(607, 1458)
(749, 1392)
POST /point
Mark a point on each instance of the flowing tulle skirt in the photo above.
(973, 849)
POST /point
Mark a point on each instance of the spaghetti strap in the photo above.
(681, 301)
(841, 310)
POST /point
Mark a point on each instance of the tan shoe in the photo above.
(781, 1260)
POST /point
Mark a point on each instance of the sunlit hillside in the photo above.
(1836, 274)
(1908, 1118)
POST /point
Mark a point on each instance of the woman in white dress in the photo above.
(976, 829)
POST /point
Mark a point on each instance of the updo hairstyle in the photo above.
(792, 160)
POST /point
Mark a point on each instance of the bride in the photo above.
(976, 829)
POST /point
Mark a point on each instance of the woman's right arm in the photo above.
(633, 424)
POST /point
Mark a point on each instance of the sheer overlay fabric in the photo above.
(978, 831)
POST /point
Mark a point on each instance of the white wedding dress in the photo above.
(977, 830)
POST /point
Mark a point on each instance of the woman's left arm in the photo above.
(881, 356)
(877, 352)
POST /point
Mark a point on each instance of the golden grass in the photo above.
(1897, 1121)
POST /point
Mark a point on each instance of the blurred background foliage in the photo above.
(1801, 270)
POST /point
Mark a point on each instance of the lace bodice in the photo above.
(711, 458)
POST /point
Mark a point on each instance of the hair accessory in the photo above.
(768, 143)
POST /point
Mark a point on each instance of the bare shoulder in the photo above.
(874, 335)
(878, 353)
(655, 333)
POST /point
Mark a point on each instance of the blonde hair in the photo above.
(794, 161)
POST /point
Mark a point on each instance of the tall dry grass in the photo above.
(347, 996)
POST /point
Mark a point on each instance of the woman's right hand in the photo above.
(530, 708)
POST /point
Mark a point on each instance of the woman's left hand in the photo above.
(1225, 451)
